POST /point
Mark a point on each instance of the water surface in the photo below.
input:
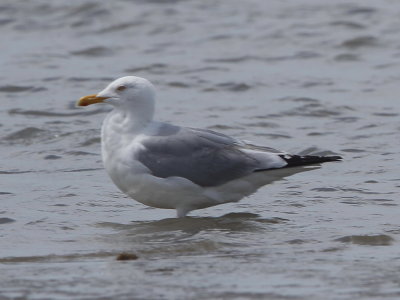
(303, 76)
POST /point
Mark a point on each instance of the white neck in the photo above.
(122, 125)
(131, 120)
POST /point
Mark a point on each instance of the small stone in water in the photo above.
(127, 256)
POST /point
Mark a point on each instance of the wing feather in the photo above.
(205, 157)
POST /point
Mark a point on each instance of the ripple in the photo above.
(274, 135)
(317, 151)
(361, 191)
(52, 157)
(161, 2)
(297, 241)
(120, 26)
(299, 99)
(81, 170)
(229, 86)
(87, 10)
(262, 124)
(178, 84)
(234, 59)
(315, 110)
(385, 114)
(298, 55)
(316, 133)
(79, 153)
(346, 119)
(28, 134)
(347, 57)
(368, 240)
(6, 221)
(42, 113)
(246, 58)
(94, 52)
(234, 87)
(324, 189)
(80, 79)
(361, 41)
(353, 150)
(156, 68)
(222, 127)
(317, 83)
(6, 21)
(12, 172)
(348, 24)
(56, 258)
(19, 89)
(204, 69)
(361, 10)
(91, 141)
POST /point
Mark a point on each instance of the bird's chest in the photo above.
(122, 167)
(118, 154)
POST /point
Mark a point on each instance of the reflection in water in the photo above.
(232, 222)
(188, 236)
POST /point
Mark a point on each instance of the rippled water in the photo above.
(303, 76)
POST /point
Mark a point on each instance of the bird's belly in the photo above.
(171, 192)
(135, 180)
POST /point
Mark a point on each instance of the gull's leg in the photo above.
(181, 212)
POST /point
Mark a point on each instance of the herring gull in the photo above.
(168, 166)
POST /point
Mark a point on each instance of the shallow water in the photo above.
(300, 75)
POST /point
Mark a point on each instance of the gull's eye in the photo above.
(121, 88)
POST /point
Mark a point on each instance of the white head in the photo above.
(130, 94)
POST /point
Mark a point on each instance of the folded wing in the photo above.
(204, 157)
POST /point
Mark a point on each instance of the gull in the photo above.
(168, 166)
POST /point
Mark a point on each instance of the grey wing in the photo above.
(204, 157)
(222, 138)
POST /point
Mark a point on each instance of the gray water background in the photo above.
(305, 76)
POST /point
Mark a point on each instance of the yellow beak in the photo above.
(90, 99)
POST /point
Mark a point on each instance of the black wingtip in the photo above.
(297, 160)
